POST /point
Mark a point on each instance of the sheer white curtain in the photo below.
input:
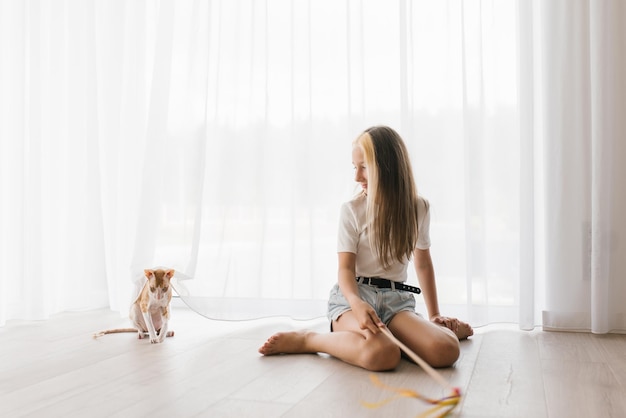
(264, 99)
(74, 99)
(573, 97)
(214, 137)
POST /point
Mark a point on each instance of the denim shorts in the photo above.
(386, 302)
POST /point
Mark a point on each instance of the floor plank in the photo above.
(507, 378)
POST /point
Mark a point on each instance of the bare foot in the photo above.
(285, 343)
(464, 330)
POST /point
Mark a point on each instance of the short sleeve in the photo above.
(348, 234)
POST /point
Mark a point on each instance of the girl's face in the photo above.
(360, 170)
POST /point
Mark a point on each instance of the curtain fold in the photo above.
(530, 116)
(214, 137)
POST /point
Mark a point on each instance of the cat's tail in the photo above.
(113, 331)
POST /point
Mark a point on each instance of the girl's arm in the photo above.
(426, 276)
(365, 314)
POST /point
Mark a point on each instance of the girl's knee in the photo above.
(378, 356)
(443, 352)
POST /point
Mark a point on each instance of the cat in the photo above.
(151, 310)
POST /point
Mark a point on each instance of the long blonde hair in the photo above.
(392, 201)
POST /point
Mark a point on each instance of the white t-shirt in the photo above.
(353, 238)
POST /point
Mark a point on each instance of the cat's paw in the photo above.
(155, 340)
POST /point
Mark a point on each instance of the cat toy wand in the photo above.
(442, 406)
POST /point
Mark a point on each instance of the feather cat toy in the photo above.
(150, 312)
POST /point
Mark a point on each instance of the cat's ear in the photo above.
(148, 273)
(169, 273)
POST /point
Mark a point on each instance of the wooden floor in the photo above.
(212, 369)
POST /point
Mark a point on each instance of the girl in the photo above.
(379, 231)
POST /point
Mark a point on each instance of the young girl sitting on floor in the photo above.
(380, 230)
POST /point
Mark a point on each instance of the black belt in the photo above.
(388, 284)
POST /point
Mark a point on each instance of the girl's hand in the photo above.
(450, 323)
(461, 329)
(366, 316)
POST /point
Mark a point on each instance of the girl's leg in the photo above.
(347, 342)
(436, 344)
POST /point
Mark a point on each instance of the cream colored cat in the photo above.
(151, 310)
